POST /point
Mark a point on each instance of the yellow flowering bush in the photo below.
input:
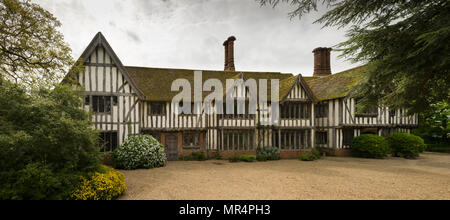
(107, 185)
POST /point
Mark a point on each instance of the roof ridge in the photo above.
(237, 72)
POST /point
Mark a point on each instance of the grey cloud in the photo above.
(189, 34)
(134, 36)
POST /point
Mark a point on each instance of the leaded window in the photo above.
(321, 137)
(321, 110)
(295, 110)
(156, 108)
(191, 140)
(101, 104)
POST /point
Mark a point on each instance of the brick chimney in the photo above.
(322, 62)
(229, 53)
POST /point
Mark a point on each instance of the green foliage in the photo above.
(261, 157)
(106, 158)
(247, 158)
(186, 158)
(33, 51)
(314, 155)
(435, 124)
(46, 139)
(307, 157)
(370, 146)
(107, 184)
(234, 158)
(442, 148)
(404, 44)
(217, 155)
(37, 181)
(198, 156)
(142, 151)
(405, 145)
(268, 153)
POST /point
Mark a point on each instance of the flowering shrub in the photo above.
(141, 151)
(108, 184)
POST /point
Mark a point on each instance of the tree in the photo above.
(404, 44)
(435, 124)
(46, 142)
(32, 50)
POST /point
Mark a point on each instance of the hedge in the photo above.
(370, 146)
(405, 145)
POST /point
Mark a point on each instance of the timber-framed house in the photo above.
(314, 111)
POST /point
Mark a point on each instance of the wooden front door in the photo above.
(171, 146)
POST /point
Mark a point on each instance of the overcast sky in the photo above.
(189, 34)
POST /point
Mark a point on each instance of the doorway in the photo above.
(171, 146)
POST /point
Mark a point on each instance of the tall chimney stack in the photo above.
(229, 53)
(322, 62)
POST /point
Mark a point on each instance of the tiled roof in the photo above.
(337, 85)
(155, 83)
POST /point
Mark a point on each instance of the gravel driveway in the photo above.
(330, 178)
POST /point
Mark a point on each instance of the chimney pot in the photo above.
(322, 61)
(229, 54)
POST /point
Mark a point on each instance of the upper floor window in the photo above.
(101, 104)
(392, 113)
(180, 107)
(244, 110)
(321, 110)
(156, 108)
(294, 111)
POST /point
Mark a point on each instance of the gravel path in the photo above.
(331, 178)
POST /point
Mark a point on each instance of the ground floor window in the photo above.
(108, 141)
(321, 137)
(191, 140)
(348, 135)
(238, 140)
(292, 139)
